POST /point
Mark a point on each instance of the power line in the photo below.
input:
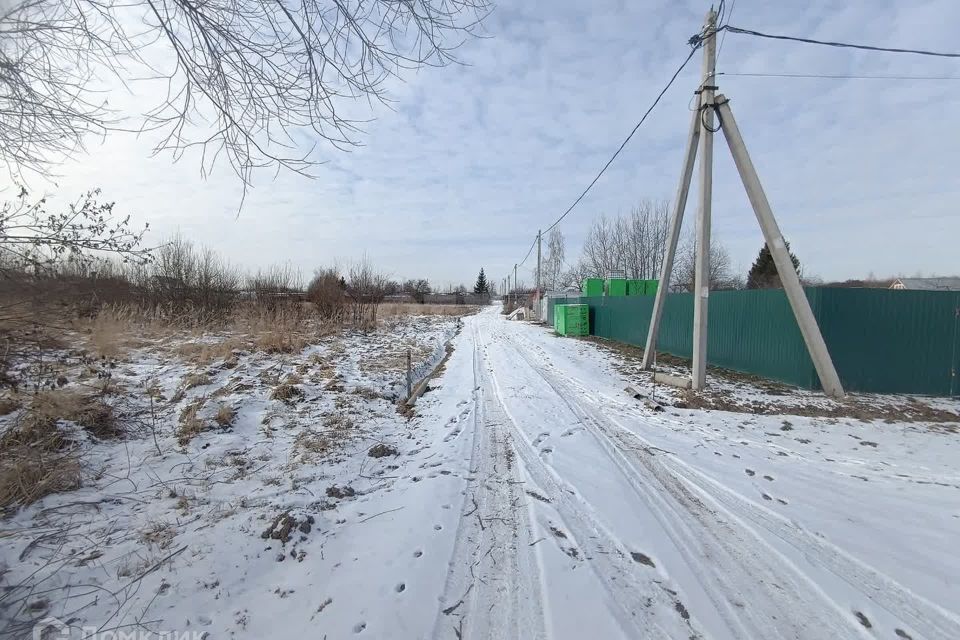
(626, 140)
(845, 45)
(529, 251)
(836, 76)
(723, 18)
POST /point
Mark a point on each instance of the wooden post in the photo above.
(676, 221)
(701, 287)
(537, 298)
(409, 376)
(829, 379)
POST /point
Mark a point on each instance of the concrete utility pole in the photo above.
(514, 284)
(701, 287)
(676, 221)
(829, 379)
(537, 310)
(701, 134)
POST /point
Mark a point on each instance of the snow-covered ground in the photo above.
(528, 497)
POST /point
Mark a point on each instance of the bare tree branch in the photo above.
(249, 81)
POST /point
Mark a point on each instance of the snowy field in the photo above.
(528, 496)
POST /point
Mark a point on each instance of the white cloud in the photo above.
(473, 159)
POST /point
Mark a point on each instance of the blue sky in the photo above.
(471, 160)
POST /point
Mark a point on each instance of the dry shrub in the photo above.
(158, 535)
(205, 353)
(400, 309)
(48, 407)
(37, 457)
(282, 329)
(286, 392)
(225, 415)
(190, 425)
(8, 404)
(108, 333)
(196, 380)
(309, 444)
(29, 473)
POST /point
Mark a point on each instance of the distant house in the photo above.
(927, 284)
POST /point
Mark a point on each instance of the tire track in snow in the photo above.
(642, 604)
(755, 590)
(492, 589)
(925, 617)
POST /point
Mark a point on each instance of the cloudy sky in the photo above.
(473, 159)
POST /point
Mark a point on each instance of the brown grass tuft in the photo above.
(398, 309)
(206, 353)
(225, 415)
(108, 334)
(190, 425)
(286, 392)
(196, 380)
(37, 458)
(30, 473)
(310, 444)
(8, 405)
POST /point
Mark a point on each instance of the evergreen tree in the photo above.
(763, 274)
(481, 286)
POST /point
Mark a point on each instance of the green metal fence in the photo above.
(880, 340)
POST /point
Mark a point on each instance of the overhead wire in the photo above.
(829, 43)
(696, 42)
(626, 140)
(834, 76)
(722, 20)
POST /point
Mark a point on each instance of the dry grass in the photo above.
(190, 425)
(109, 334)
(37, 457)
(158, 535)
(286, 392)
(195, 380)
(225, 415)
(206, 353)
(8, 405)
(48, 407)
(310, 444)
(397, 309)
(30, 473)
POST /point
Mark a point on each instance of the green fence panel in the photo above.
(755, 332)
(593, 287)
(750, 331)
(616, 287)
(880, 340)
(890, 341)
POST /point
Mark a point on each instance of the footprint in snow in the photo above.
(540, 438)
(750, 472)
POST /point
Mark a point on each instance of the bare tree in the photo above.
(684, 266)
(243, 78)
(633, 244)
(365, 289)
(326, 292)
(554, 261)
(36, 239)
(419, 289)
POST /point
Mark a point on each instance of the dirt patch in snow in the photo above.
(738, 392)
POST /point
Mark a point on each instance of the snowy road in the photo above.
(585, 515)
(528, 497)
